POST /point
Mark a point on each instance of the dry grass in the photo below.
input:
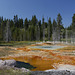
(5, 51)
(12, 72)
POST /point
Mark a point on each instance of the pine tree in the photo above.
(16, 21)
(39, 30)
(36, 32)
(49, 27)
(73, 28)
(34, 20)
(73, 23)
(20, 23)
(54, 30)
(1, 30)
(59, 24)
(26, 24)
(12, 27)
(43, 26)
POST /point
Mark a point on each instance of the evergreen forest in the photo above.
(18, 29)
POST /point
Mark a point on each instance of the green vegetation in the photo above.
(26, 30)
(17, 43)
(34, 29)
(12, 72)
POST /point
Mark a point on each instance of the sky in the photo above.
(40, 8)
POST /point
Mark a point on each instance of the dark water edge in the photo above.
(20, 64)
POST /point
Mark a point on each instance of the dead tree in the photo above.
(7, 32)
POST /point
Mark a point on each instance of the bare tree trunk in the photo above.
(66, 36)
(8, 32)
(48, 32)
(43, 32)
(38, 33)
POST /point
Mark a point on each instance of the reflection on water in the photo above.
(20, 64)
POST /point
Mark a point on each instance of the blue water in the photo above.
(20, 64)
(47, 47)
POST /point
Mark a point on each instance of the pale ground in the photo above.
(63, 67)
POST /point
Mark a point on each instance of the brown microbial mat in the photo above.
(44, 59)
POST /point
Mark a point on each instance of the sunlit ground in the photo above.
(44, 59)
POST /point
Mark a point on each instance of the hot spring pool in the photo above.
(47, 47)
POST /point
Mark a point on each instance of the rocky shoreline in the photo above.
(8, 64)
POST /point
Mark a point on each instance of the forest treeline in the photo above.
(33, 29)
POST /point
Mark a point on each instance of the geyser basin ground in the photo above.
(44, 57)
